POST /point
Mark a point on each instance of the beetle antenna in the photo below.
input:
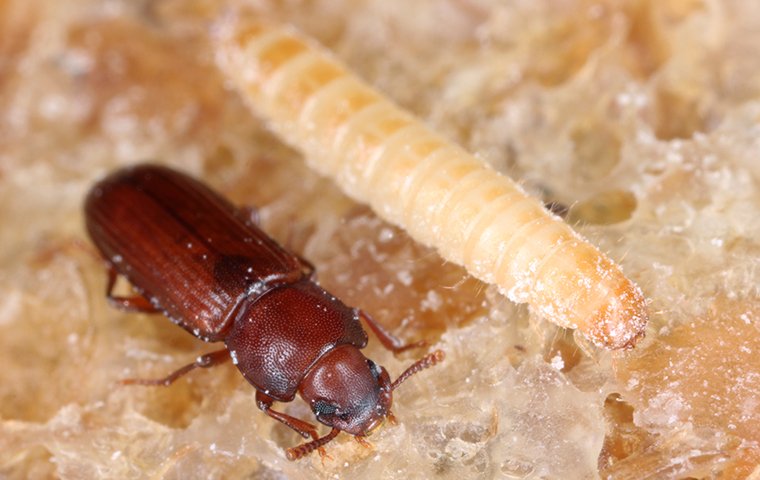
(302, 450)
(425, 362)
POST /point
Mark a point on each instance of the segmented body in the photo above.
(444, 197)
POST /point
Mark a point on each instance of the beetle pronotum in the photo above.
(444, 197)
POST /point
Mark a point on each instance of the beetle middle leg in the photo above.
(250, 215)
(389, 341)
(204, 361)
(137, 303)
(308, 268)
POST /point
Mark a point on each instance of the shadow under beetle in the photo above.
(206, 265)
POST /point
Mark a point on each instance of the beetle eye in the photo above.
(373, 368)
(323, 408)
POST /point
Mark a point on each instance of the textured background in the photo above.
(641, 116)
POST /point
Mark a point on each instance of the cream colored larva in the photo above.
(382, 155)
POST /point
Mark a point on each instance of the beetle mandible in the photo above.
(206, 265)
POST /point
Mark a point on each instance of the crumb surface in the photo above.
(639, 117)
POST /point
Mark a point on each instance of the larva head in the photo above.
(579, 287)
(607, 307)
(621, 321)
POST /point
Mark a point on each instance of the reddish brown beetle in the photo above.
(206, 265)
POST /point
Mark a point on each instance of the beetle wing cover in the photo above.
(183, 246)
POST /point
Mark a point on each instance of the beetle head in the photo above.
(348, 391)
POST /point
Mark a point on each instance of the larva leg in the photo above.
(382, 155)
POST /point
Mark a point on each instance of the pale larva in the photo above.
(382, 155)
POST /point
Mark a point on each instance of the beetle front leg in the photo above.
(138, 303)
(389, 341)
(204, 361)
(319, 444)
(305, 429)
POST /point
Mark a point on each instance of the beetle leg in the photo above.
(391, 418)
(250, 215)
(305, 429)
(307, 267)
(317, 444)
(363, 442)
(204, 361)
(389, 341)
(138, 303)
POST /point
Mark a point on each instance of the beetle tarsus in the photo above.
(363, 442)
(294, 453)
(391, 419)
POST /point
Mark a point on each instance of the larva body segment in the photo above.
(381, 155)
